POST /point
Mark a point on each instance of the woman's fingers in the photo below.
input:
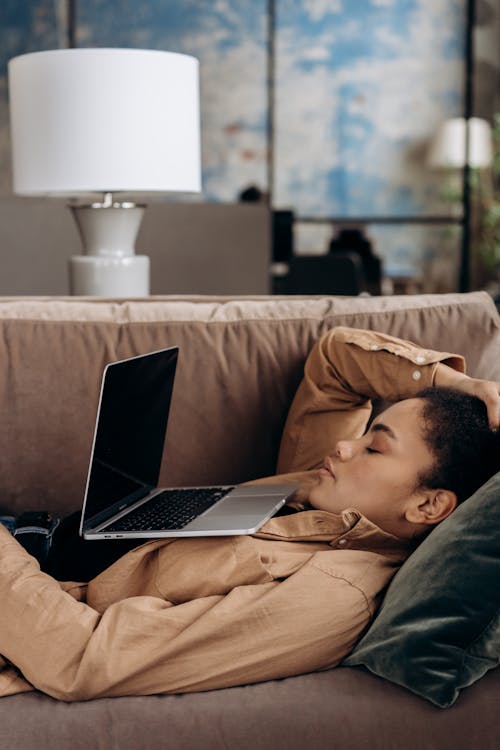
(489, 392)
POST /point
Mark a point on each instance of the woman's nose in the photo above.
(344, 450)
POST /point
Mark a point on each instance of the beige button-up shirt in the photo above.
(193, 614)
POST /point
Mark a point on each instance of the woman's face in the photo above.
(377, 474)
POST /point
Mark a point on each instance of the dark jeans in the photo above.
(60, 550)
(72, 558)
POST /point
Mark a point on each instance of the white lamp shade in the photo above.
(104, 120)
(449, 144)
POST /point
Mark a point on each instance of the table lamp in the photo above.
(105, 121)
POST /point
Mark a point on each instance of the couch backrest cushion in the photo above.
(240, 363)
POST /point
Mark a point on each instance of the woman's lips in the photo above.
(327, 470)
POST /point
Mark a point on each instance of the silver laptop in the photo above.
(122, 497)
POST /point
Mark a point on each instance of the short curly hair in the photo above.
(466, 450)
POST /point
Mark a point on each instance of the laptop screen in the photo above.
(130, 433)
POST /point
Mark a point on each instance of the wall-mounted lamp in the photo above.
(106, 121)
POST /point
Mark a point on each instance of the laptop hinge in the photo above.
(118, 509)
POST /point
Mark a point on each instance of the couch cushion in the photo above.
(240, 363)
(342, 709)
(438, 629)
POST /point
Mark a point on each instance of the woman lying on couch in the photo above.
(178, 615)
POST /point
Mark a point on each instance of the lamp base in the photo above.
(98, 276)
(110, 268)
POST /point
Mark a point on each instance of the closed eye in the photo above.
(371, 450)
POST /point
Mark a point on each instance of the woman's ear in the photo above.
(431, 507)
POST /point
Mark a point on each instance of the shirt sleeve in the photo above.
(346, 369)
(144, 645)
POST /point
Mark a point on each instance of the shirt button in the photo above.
(374, 347)
(416, 375)
(420, 360)
(342, 541)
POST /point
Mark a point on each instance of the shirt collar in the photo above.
(346, 530)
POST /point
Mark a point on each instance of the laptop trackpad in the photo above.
(238, 513)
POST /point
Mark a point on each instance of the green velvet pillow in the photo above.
(438, 629)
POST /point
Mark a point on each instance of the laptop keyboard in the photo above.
(170, 509)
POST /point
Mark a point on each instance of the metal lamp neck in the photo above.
(108, 202)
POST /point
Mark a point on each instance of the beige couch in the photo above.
(240, 362)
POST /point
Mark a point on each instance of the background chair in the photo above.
(340, 273)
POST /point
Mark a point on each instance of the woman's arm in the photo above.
(346, 369)
(143, 644)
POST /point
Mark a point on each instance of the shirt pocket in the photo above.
(208, 566)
